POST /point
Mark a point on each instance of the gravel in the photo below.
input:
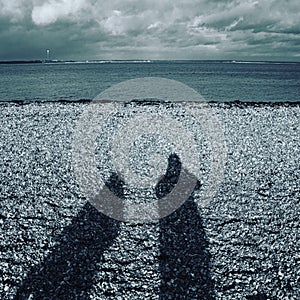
(244, 245)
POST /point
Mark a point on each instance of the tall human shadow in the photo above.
(184, 257)
(68, 271)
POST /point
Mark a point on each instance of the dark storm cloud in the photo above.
(157, 29)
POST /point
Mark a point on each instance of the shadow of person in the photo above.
(68, 271)
(184, 257)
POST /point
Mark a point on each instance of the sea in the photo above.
(219, 81)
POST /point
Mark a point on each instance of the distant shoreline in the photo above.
(38, 61)
(14, 62)
(224, 104)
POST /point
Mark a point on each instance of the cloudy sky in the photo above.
(150, 29)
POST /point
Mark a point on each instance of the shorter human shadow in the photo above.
(68, 271)
(184, 255)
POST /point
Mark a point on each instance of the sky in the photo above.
(156, 29)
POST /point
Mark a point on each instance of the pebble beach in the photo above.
(244, 245)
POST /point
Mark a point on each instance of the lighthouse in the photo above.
(47, 55)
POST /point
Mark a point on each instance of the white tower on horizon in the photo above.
(48, 54)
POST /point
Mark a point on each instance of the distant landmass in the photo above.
(21, 62)
(54, 61)
(37, 61)
(48, 61)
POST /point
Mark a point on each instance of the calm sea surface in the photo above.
(216, 81)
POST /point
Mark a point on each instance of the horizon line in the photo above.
(21, 61)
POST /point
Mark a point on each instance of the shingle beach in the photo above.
(244, 245)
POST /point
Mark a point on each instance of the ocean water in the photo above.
(216, 81)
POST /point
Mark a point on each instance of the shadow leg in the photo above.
(68, 271)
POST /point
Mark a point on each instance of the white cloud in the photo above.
(118, 23)
(234, 24)
(54, 10)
